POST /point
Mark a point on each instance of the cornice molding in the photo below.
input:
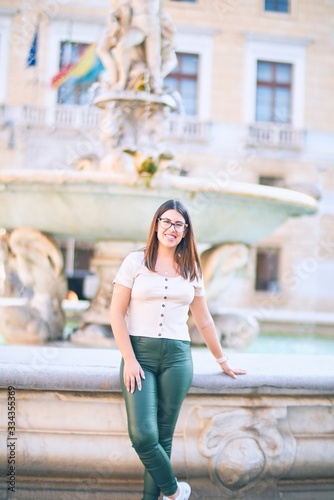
(197, 30)
(79, 18)
(8, 11)
(280, 39)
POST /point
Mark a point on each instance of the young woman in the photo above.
(155, 288)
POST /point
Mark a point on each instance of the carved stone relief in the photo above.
(248, 450)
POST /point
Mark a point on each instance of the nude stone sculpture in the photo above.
(137, 49)
(38, 264)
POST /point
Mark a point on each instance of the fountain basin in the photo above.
(273, 426)
(106, 206)
(107, 98)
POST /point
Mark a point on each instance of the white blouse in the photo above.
(159, 306)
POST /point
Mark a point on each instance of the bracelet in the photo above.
(222, 359)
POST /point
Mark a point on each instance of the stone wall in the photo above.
(266, 435)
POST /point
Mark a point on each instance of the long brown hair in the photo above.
(186, 255)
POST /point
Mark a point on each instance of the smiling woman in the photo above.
(155, 288)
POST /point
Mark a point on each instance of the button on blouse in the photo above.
(154, 312)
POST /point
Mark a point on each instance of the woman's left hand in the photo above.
(231, 372)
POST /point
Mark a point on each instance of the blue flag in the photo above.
(32, 57)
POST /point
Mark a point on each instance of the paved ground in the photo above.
(132, 491)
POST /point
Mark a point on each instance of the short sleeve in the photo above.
(127, 272)
(199, 287)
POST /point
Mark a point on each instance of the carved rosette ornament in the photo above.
(248, 450)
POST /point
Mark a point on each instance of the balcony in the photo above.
(272, 135)
(64, 117)
(189, 128)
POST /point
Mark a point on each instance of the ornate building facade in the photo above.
(256, 78)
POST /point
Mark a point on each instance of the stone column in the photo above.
(94, 328)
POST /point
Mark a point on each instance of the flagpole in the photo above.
(32, 61)
(38, 86)
(37, 69)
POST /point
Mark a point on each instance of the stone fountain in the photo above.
(112, 202)
(263, 436)
(114, 211)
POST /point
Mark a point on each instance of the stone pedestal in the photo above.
(94, 328)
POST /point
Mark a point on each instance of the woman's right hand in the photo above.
(132, 374)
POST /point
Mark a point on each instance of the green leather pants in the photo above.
(152, 412)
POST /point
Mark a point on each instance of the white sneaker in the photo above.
(184, 494)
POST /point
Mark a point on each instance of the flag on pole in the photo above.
(93, 74)
(78, 70)
(32, 56)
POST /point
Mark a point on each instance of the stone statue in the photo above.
(137, 49)
(138, 52)
(10, 283)
(38, 263)
(6, 287)
(220, 266)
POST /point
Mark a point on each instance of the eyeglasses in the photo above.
(180, 227)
